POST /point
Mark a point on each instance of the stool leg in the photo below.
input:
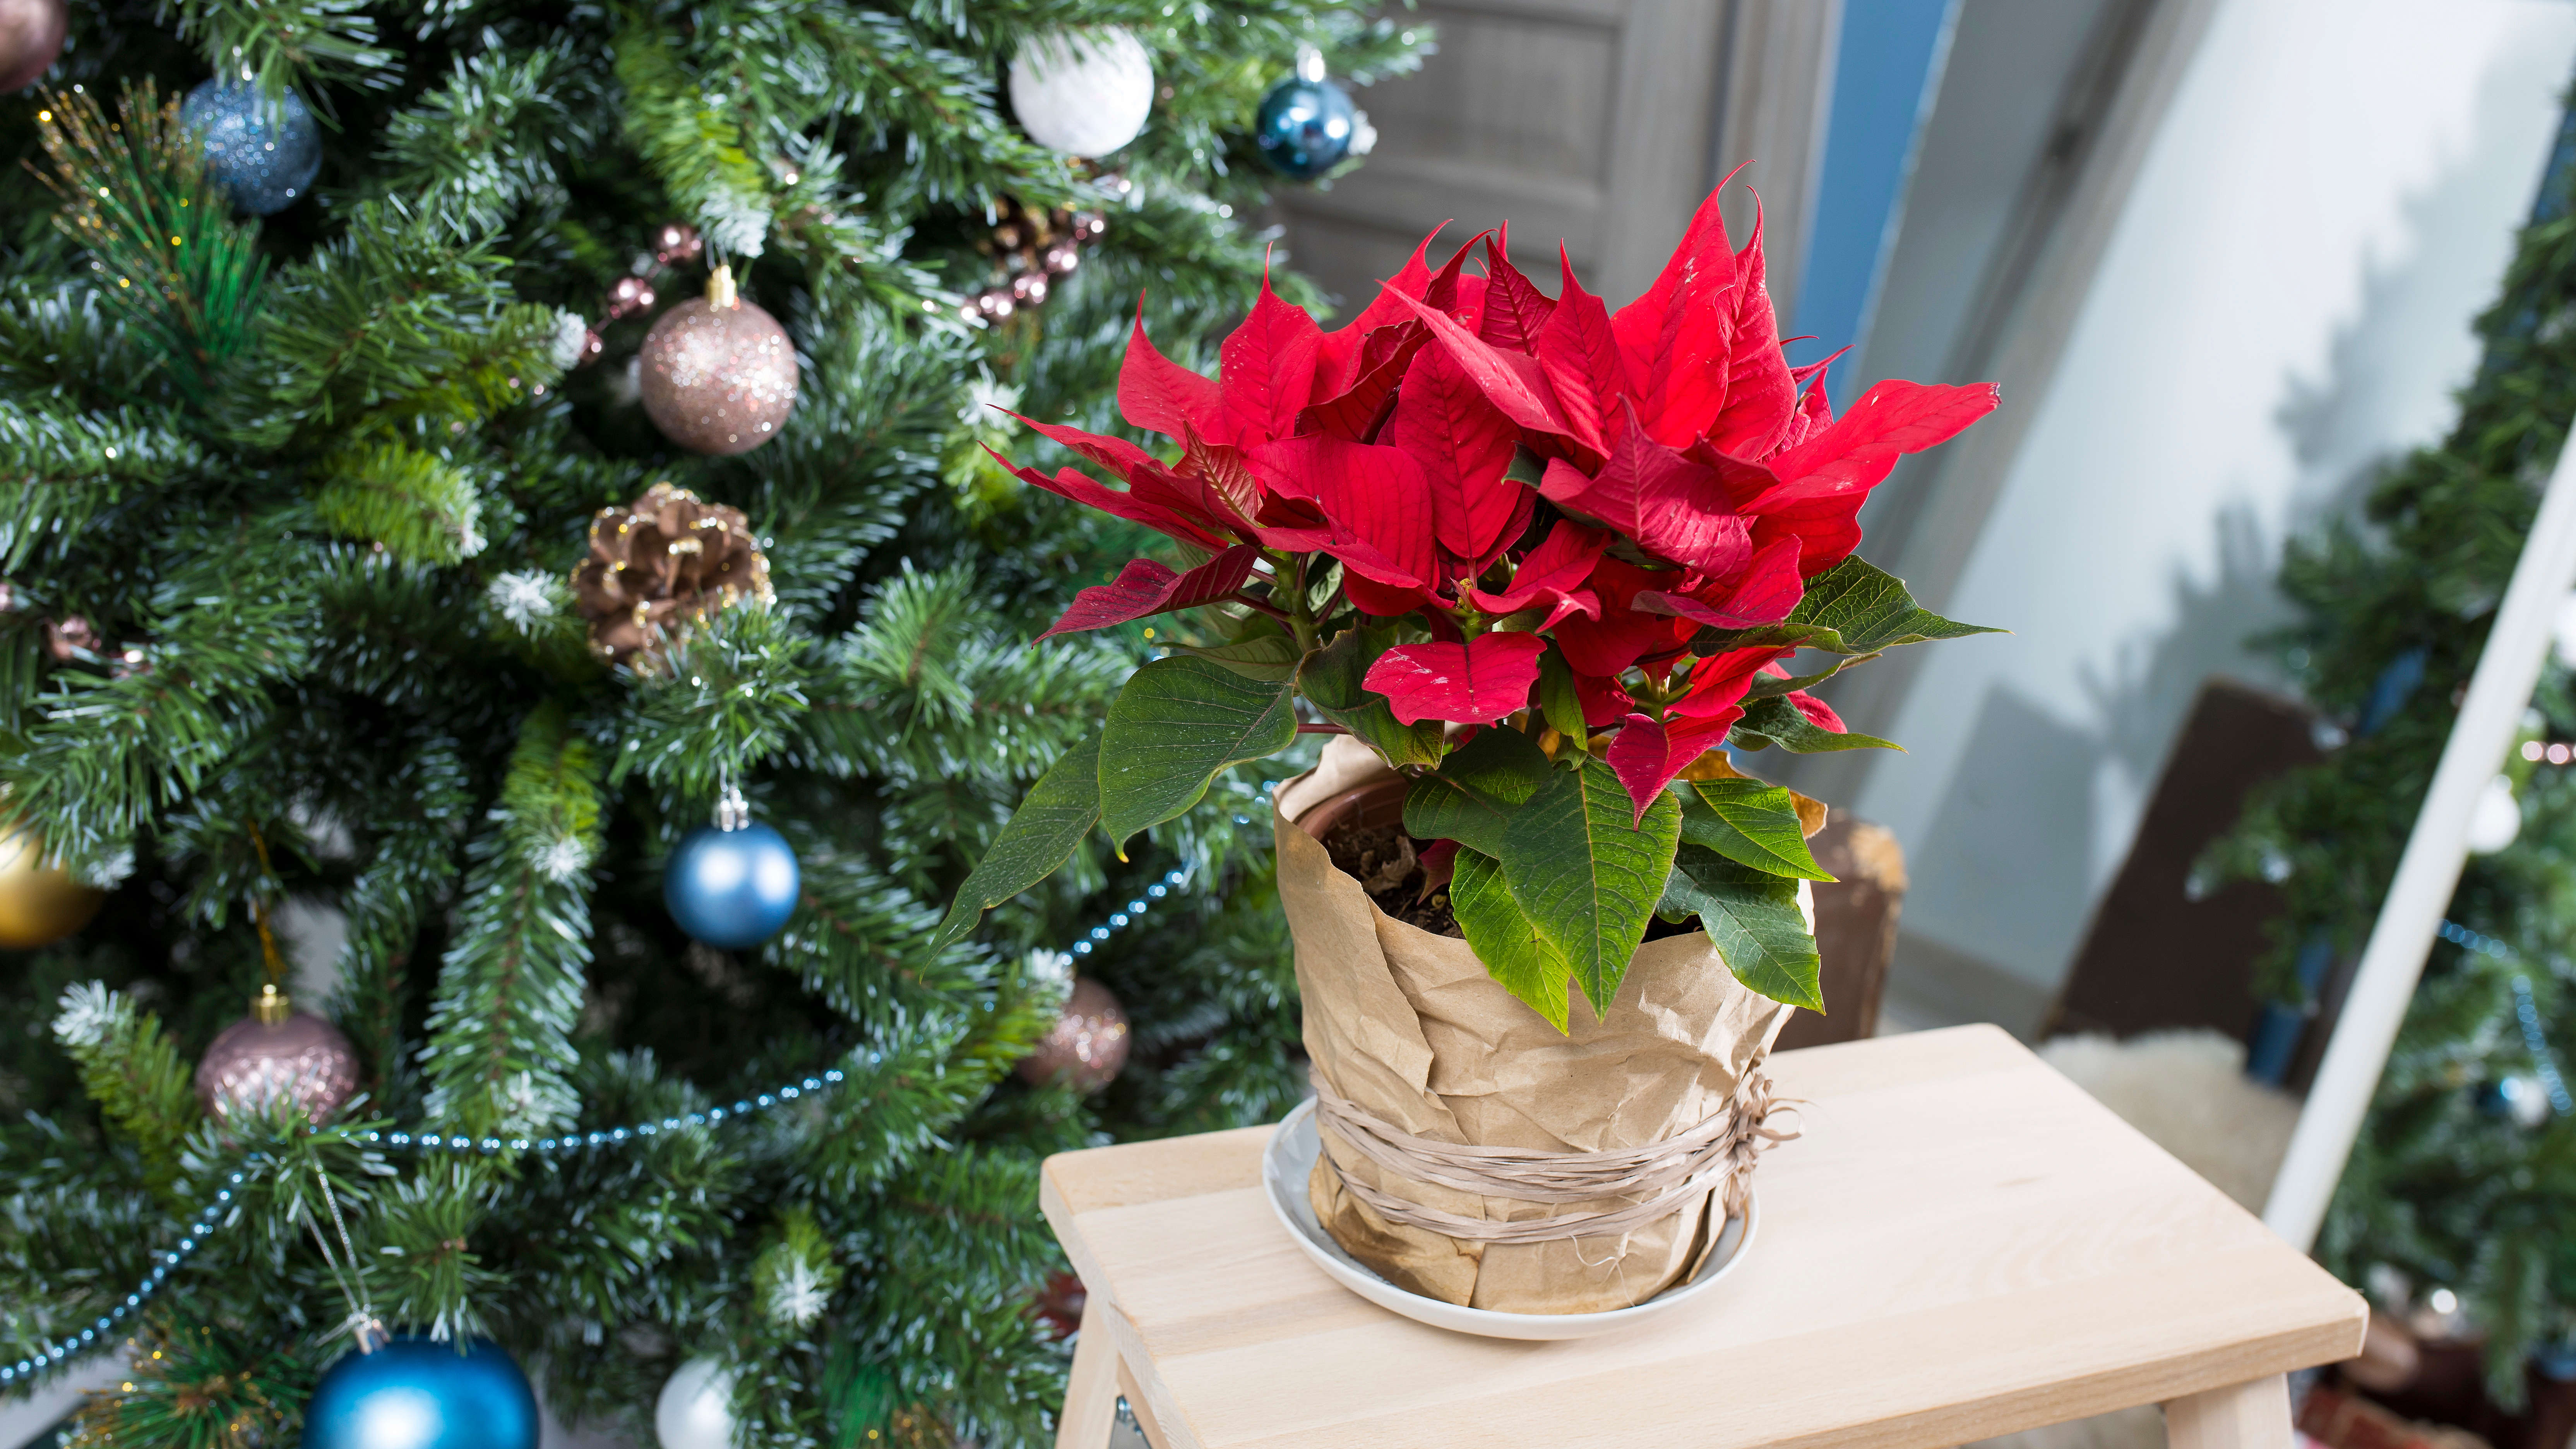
(2241, 1416)
(1091, 1395)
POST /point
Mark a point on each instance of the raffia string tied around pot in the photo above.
(1717, 1155)
(1427, 1054)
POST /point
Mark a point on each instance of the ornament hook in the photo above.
(732, 811)
(271, 1006)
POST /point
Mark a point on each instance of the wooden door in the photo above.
(1602, 122)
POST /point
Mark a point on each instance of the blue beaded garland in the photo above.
(731, 888)
(263, 154)
(416, 1393)
(1304, 127)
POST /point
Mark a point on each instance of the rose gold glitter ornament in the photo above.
(628, 296)
(70, 638)
(31, 35)
(719, 375)
(1087, 1045)
(277, 1054)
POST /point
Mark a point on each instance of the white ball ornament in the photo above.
(696, 1407)
(2497, 818)
(1083, 92)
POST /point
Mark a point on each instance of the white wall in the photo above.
(2286, 298)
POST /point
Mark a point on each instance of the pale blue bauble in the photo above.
(416, 1393)
(732, 889)
(263, 153)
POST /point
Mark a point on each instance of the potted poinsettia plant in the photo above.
(1540, 566)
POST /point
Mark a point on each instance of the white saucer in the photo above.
(1290, 1157)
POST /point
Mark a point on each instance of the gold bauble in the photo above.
(40, 903)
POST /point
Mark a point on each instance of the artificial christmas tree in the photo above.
(2462, 1186)
(290, 514)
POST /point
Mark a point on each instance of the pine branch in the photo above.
(196, 1386)
(425, 1271)
(395, 324)
(692, 147)
(854, 940)
(732, 697)
(510, 987)
(131, 1071)
(61, 468)
(420, 506)
(278, 45)
(490, 138)
(136, 194)
(408, 877)
(63, 344)
(226, 622)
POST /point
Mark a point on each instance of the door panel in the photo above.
(1594, 121)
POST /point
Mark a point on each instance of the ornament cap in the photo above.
(732, 811)
(720, 288)
(271, 1005)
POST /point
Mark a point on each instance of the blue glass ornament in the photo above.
(263, 154)
(2517, 1099)
(414, 1393)
(1305, 127)
(731, 888)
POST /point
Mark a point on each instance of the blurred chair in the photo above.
(2155, 957)
(1855, 930)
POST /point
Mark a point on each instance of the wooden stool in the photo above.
(1961, 1244)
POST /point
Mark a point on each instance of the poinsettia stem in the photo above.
(1300, 618)
(1321, 729)
(1264, 605)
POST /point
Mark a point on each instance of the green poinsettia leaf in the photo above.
(1330, 679)
(1770, 722)
(1750, 823)
(1768, 636)
(1584, 875)
(1270, 658)
(1855, 607)
(1471, 796)
(1060, 809)
(1870, 609)
(1176, 724)
(1519, 958)
(1754, 921)
(1557, 701)
(1765, 686)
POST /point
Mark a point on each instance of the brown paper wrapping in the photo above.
(1411, 1027)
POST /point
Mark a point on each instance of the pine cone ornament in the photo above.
(659, 564)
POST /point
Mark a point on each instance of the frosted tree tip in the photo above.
(525, 598)
(88, 1012)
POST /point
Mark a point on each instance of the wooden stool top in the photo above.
(1961, 1244)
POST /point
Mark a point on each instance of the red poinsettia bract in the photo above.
(1507, 473)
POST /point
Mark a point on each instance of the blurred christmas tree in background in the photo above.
(2462, 1188)
(312, 399)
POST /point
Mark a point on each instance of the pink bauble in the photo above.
(718, 379)
(31, 35)
(253, 1063)
(1087, 1045)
